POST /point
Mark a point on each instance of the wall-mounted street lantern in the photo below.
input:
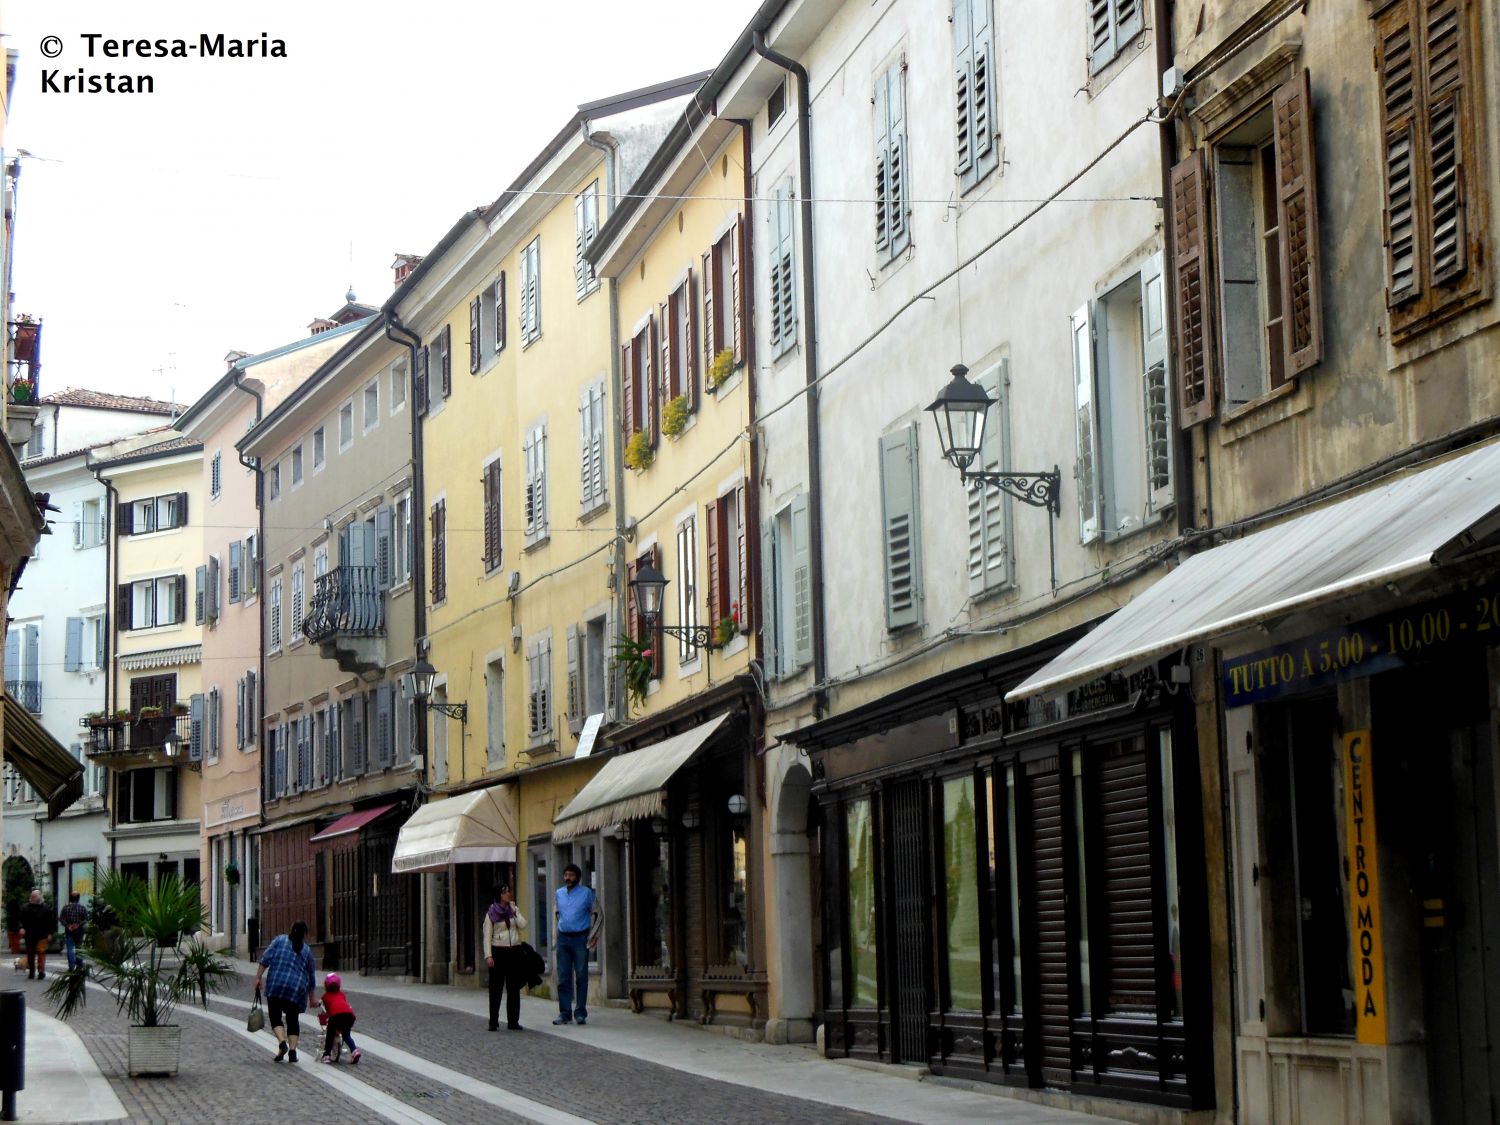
(959, 413)
(418, 684)
(649, 584)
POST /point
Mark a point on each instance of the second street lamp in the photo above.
(649, 584)
(959, 413)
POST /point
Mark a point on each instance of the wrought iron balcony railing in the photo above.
(28, 693)
(346, 602)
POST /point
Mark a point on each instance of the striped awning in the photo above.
(632, 786)
(41, 759)
(477, 827)
(162, 658)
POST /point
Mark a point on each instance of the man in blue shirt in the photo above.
(578, 921)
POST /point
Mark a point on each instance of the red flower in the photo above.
(645, 654)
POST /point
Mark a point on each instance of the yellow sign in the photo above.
(1364, 888)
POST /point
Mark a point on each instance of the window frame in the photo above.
(585, 230)
(371, 391)
(346, 414)
(531, 292)
(320, 448)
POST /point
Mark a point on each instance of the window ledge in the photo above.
(589, 514)
(538, 543)
(691, 667)
(495, 572)
(526, 343)
(1282, 403)
(401, 588)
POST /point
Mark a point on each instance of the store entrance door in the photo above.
(911, 921)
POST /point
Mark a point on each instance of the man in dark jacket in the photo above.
(38, 923)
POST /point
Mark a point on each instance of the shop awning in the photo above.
(1402, 528)
(632, 786)
(38, 757)
(350, 822)
(477, 827)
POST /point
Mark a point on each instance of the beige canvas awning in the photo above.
(632, 786)
(477, 827)
(54, 773)
(1404, 527)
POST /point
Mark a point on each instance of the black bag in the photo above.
(533, 968)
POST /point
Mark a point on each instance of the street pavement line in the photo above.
(487, 1092)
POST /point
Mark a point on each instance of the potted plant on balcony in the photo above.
(674, 416)
(151, 962)
(20, 391)
(719, 370)
(150, 711)
(180, 708)
(123, 716)
(96, 718)
(638, 451)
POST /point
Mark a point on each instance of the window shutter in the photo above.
(123, 607)
(801, 584)
(1103, 38)
(239, 713)
(486, 483)
(212, 601)
(711, 551)
(575, 685)
(737, 290)
(1297, 215)
(419, 380)
(539, 451)
(658, 656)
(195, 728)
(77, 524)
(902, 527)
(31, 659)
(1399, 95)
(383, 547)
(628, 422)
(897, 212)
(447, 338)
(358, 729)
(1195, 353)
(742, 580)
(182, 510)
(214, 709)
(439, 550)
(200, 594)
(1086, 469)
(252, 702)
(1157, 398)
(771, 578)
(125, 518)
(689, 337)
(989, 543)
(385, 718)
(711, 333)
(783, 288)
(982, 88)
(668, 323)
(13, 655)
(580, 264)
(500, 312)
(474, 336)
(633, 627)
(963, 66)
(73, 651)
(1449, 112)
(882, 163)
(335, 745)
(649, 398)
(236, 555)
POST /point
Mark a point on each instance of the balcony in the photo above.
(126, 743)
(346, 618)
(28, 693)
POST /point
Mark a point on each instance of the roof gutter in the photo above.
(810, 305)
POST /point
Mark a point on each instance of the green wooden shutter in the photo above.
(899, 499)
(1086, 469)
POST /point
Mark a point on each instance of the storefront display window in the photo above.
(961, 867)
(736, 886)
(653, 901)
(863, 972)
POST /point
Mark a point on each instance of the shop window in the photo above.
(961, 895)
(859, 835)
(734, 922)
(1302, 786)
(541, 909)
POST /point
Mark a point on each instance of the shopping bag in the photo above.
(257, 1017)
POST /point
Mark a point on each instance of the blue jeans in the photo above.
(71, 943)
(573, 959)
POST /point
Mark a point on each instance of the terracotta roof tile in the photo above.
(101, 400)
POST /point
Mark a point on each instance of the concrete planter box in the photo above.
(154, 1050)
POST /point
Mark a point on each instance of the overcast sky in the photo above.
(243, 197)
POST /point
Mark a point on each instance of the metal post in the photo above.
(12, 1050)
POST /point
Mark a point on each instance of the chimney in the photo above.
(322, 324)
(404, 264)
(235, 356)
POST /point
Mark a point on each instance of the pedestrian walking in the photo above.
(338, 1014)
(72, 918)
(291, 983)
(503, 924)
(38, 923)
(578, 921)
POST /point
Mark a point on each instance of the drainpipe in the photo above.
(399, 333)
(607, 145)
(111, 501)
(809, 301)
(253, 464)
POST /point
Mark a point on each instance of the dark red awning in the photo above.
(351, 822)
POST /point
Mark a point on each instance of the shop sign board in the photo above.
(1364, 889)
(1365, 648)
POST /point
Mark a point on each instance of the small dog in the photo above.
(21, 963)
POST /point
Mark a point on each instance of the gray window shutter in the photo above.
(383, 547)
(200, 595)
(215, 712)
(963, 81)
(1103, 39)
(357, 732)
(77, 524)
(575, 683)
(239, 713)
(13, 655)
(252, 701)
(1086, 469)
(73, 653)
(882, 163)
(783, 283)
(983, 88)
(268, 764)
(801, 585)
(902, 528)
(195, 726)
(385, 720)
(1156, 387)
(335, 743)
(235, 556)
(213, 589)
(545, 690)
(305, 762)
(989, 508)
(474, 335)
(33, 656)
(771, 565)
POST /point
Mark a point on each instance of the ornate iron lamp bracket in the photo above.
(1040, 490)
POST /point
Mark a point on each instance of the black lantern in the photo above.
(649, 585)
(418, 684)
(959, 414)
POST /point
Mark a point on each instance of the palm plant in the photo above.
(152, 960)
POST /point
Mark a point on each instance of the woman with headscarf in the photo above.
(503, 924)
(291, 983)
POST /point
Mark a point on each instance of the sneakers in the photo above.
(292, 1057)
(325, 1058)
(356, 1056)
(562, 1021)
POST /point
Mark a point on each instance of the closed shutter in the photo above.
(239, 713)
(902, 528)
(182, 510)
(195, 728)
(1087, 470)
(200, 594)
(1297, 216)
(500, 312)
(1155, 387)
(446, 336)
(896, 162)
(1448, 109)
(989, 508)
(628, 422)
(667, 319)
(125, 518)
(712, 337)
(215, 714)
(740, 531)
(440, 551)
(963, 82)
(236, 556)
(737, 291)
(783, 286)
(181, 599)
(982, 98)
(882, 164)
(1124, 833)
(1049, 914)
(13, 655)
(383, 545)
(123, 607)
(1399, 97)
(355, 762)
(78, 538)
(771, 580)
(1195, 352)
(490, 483)
(252, 704)
(73, 650)
(717, 609)
(385, 741)
(689, 337)
(801, 585)
(31, 666)
(269, 764)
(650, 393)
(335, 742)
(212, 603)
(575, 683)
(419, 380)
(474, 336)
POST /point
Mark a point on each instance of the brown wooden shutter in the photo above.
(743, 592)
(711, 345)
(125, 518)
(447, 360)
(123, 607)
(650, 395)
(690, 341)
(1049, 918)
(1445, 51)
(1124, 822)
(633, 628)
(500, 313)
(491, 517)
(474, 335)
(711, 553)
(668, 371)
(1297, 216)
(658, 658)
(439, 550)
(737, 290)
(1190, 306)
(1396, 67)
(627, 389)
